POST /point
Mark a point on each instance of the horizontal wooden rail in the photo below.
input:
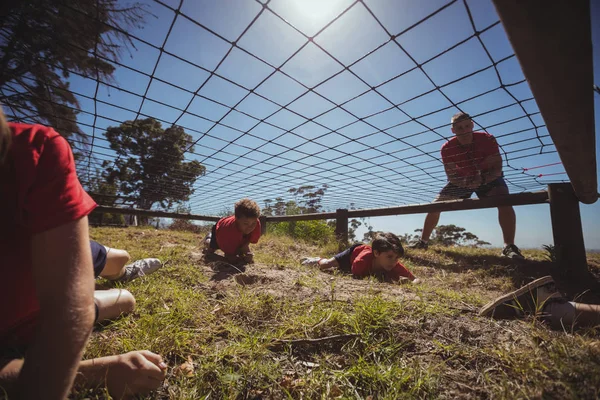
(518, 199)
(154, 213)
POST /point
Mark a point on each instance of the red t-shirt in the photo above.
(230, 238)
(362, 265)
(39, 191)
(469, 159)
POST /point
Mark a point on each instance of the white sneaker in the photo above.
(140, 268)
(311, 261)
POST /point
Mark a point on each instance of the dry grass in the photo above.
(244, 335)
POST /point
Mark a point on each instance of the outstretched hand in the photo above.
(136, 372)
(248, 258)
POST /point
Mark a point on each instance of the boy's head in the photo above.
(462, 127)
(387, 248)
(246, 212)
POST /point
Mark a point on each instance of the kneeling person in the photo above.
(379, 259)
(234, 234)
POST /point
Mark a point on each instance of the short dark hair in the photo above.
(459, 116)
(246, 208)
(386, 241)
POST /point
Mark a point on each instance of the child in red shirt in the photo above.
(379, 259)
(234, 234)
(47, 276)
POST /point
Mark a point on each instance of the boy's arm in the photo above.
(360, 268)
(255, 234)
(400, 271)
(63, 275)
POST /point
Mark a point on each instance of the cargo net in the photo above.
(352, 96)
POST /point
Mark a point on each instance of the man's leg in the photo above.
(431, 221)
(506, 218)
(508, 224)
(506, 215)
(448, 192)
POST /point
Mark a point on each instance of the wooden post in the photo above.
(567, 231)
(341, 226)
(553, 43)
(263, 224)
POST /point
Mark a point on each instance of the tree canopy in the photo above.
(150, 166)
(43, 41)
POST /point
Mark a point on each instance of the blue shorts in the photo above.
(98, 257)
(343, 258)
(213, 238)
(457, 192)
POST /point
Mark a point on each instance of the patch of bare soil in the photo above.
(296, 283)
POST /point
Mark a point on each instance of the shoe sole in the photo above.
(487, 310)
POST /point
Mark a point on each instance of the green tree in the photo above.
(308, 200)
(105, 194)
(151, 167)
(43, 40)
(450, 235)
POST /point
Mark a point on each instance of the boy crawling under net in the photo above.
(380, 259)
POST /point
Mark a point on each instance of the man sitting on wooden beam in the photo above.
(473, 164)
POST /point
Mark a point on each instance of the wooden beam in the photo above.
(518, 199)
(301, 217)
(151, 213)
(567, 231)
(553, 43)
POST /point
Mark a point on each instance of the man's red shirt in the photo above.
(362, 265)
(39, 191)
(469, 160)
(230, 239)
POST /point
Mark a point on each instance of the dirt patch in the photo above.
(302, 284)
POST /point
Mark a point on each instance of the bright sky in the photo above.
(363, 131)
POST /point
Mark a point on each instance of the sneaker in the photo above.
(512, 251)
(311, 261)
(419, 244)
(140, 268)
(527, 300)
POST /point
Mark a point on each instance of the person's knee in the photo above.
(123, 257)
(126, 301)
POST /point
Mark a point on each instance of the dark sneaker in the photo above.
(527, 300)
(512, 251)
(419, 244)
(140, 268)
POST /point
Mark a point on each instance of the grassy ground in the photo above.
(243, 336)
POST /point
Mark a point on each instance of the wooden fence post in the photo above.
(567, 231)
(263, 224)
(341, 225)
